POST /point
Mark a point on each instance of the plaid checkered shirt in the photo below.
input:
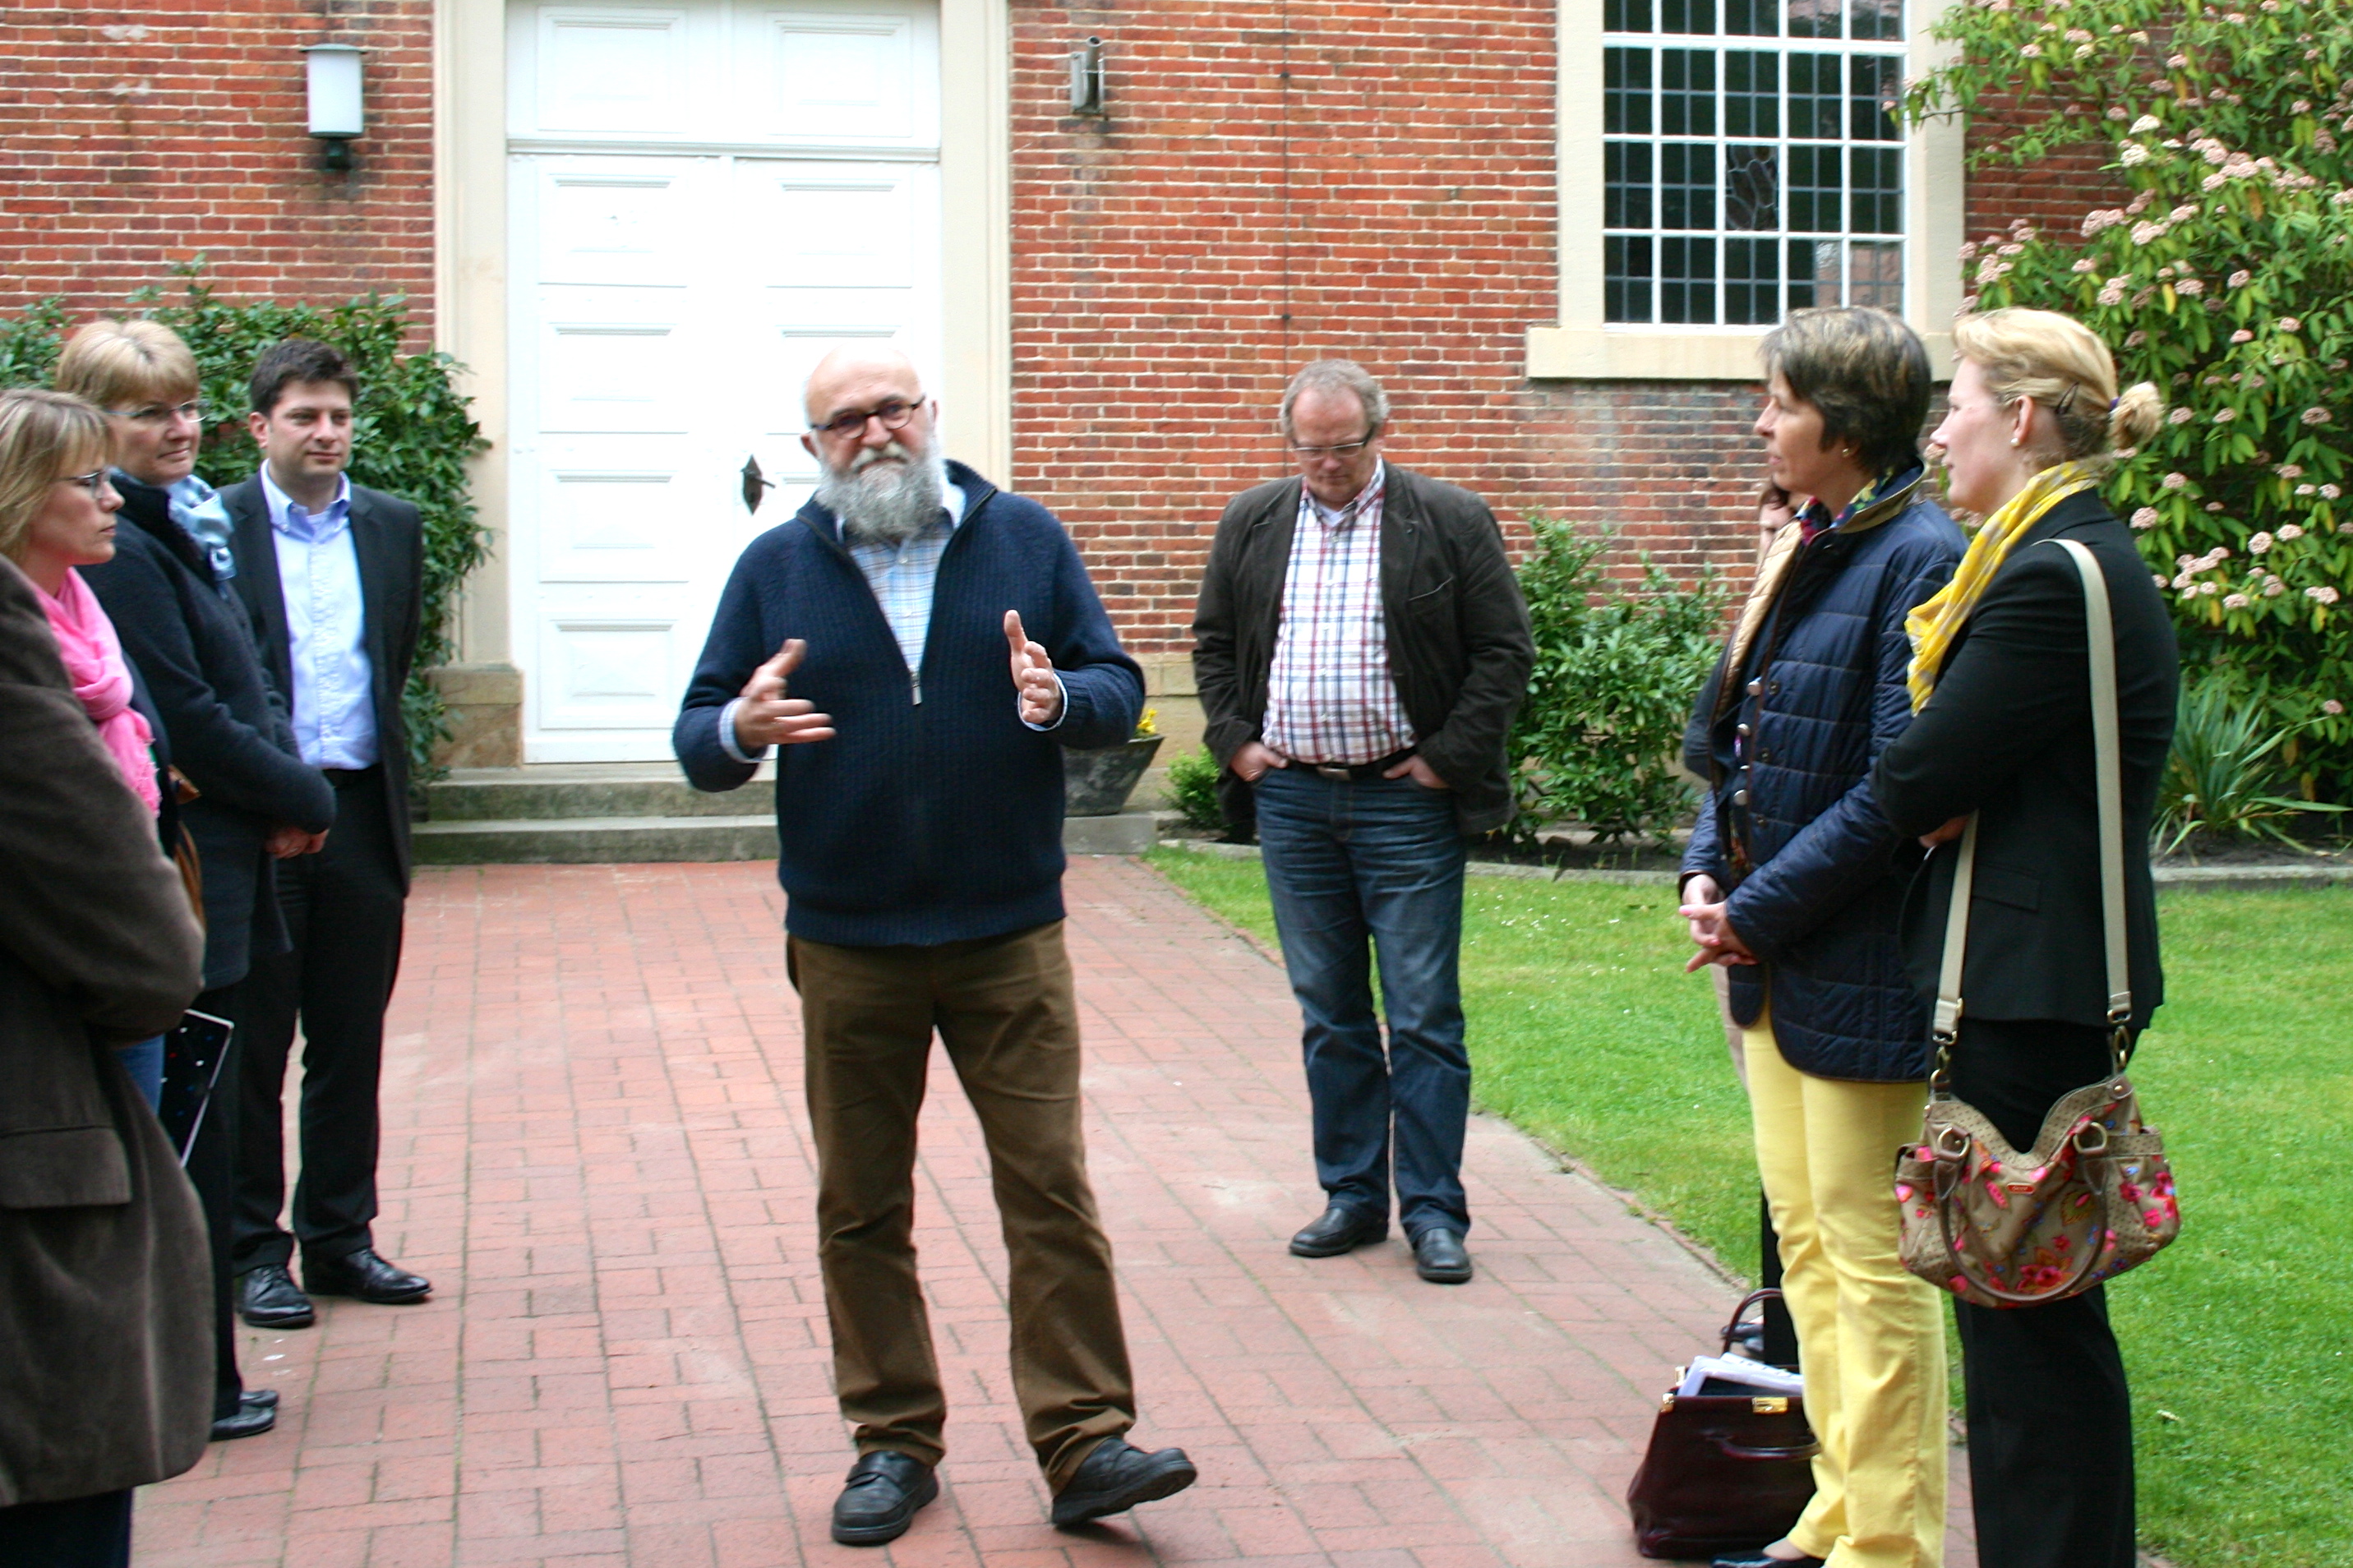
(1330, 698)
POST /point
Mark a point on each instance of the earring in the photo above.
(2013, 440)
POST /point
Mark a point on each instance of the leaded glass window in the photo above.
(1742, 178)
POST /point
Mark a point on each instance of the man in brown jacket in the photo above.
(106, 1378)
(1361, 649)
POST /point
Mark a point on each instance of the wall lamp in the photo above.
(338, 112)
(1087, 79)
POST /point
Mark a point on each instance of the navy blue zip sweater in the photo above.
(928, 821)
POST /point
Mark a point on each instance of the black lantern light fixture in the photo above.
(1087, 79)
(338, 108)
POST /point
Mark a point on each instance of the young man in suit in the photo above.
(330, 573)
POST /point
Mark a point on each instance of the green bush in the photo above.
(2224, 777)
(411, 433)
(1193, 789)
(2225, 277)
(1600, 737)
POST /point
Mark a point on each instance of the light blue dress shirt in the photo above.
(326, 626)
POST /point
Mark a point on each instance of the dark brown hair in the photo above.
(299, 359)
(1865, 370)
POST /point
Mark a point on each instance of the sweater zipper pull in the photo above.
(915, 684)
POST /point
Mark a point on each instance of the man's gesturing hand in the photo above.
(1033, 676)
(765, 718)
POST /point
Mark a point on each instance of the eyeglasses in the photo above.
(158, 414)
(1346, 448)
(92, 481)
(895, 413)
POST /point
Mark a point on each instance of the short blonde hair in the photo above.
(119, 364)
(2064, 367)
(44, 436)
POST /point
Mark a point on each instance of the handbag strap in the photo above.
(2100, 635)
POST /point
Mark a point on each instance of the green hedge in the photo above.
(411, 432)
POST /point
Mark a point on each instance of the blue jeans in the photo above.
(1349, 860)
(143, 1060)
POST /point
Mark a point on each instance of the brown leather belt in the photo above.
(1358, 772)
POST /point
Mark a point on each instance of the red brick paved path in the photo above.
(594, 1145)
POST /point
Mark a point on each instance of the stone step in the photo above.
(610, 840)
(550, 793)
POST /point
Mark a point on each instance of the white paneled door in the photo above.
(705, 198)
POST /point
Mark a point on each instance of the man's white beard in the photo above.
(881, 502)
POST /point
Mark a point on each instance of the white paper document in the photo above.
(1756, 1375)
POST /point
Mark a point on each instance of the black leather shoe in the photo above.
(1116, 1477)
(258, 1399)
(885, 1489)
(251, 1421)
(1439, 1256)
(1759, 1559)
(1340, 1229)
(364, 1277)
(268, 1297)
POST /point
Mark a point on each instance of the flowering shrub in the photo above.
(2227, 279)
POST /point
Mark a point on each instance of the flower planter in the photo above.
(1097, 782)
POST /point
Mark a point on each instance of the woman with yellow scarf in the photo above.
(2000, 678)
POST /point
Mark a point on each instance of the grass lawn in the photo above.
(1585, 1031)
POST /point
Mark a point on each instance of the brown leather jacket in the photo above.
(105, 1282)
(1459, 646)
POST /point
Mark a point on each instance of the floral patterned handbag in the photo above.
(2002, 1227)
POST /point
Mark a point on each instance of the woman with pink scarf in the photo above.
(56, 513)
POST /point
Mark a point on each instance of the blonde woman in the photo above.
(2000, 679)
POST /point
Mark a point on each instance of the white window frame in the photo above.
(1584, 347)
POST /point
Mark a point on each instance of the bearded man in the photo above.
(940, 640)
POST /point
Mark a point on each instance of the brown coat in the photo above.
(105, 1284)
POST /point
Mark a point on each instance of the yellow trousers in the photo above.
(1871, 1337)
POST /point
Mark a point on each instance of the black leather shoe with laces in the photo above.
(1337, 1230)
(364, 1277)
(268, 1297)
(883, 1491)
(1116, 1477)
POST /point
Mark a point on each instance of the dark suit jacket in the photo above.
(390, 539)
(2009, 734)
(1459, 644)
(105, 1284)
(194, 650)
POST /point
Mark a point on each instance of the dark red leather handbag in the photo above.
(1726, 1472)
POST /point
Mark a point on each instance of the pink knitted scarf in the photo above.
(93, 658)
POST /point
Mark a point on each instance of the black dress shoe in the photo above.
(258, 1399)
(364, 1277)
(251, 1421)
(1340, 1229)
(1439, 1256)
(1759, 1559)
(885, 1489)
(1116, 1477)
(268, 1297)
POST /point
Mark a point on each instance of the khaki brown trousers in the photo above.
(1005, 1010)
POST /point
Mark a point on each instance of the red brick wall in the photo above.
(141, 135)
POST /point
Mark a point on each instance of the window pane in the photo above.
(1687, 16)
(1878, 203)
(1814, 273)
(1752, 281)
(1752, 93)
(1752, 18)
(1875, 274)
(1687, 92)
(1752, 188)
(1626, 277)
(1686, 279)
(1817, 97)
(1874, 82)
(1815, 190)
(1625, 185)
(1625, 92)
(1814, 18)
(1626, 16)
(1876, 18)
(1686, 185)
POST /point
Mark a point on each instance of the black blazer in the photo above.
(2007, 733)
(193, 649)
(390, 539)
(1459, 644)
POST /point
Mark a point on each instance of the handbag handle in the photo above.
(1733, 1327)
(1732, 1450)
(2085, 1263)
(2099, 630)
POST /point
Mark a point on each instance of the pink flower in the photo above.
(2082, 266)
(2031, 51)
(2301, 490)
(2175, 481)
(2323, 595)
(2292, 531)
(2180, 415)
(2330, 492)
(2260, 543)
(2290, 324)
(2190, 286)
(2317, 416)
(2235, 601)
(2289, 471)
(2145, 518)
(2242, 278)
(2224, 416)
(2243, 336)
(2332, 707)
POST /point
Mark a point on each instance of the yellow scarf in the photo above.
(1934, 622)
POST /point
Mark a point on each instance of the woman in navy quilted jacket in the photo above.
(1795, 881)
